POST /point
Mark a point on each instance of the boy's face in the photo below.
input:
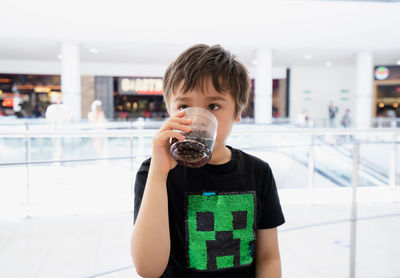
(222, 105)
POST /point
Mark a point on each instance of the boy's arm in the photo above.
(268, 262)
(150, 241)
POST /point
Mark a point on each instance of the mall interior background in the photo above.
(66, 189)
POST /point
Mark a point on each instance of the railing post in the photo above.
(27, 160)
(132, 175)
(393, 165)
(311, 163)
(353, 228)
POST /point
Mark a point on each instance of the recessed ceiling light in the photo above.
(94, 50)
(307, 57)
(398, 62)
(328, 64)
(59, 56)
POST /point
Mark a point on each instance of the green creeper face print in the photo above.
(220, 230)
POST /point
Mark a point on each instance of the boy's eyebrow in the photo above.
(208, 98)
(181, 99)
(216, 98)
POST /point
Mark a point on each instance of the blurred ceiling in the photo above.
(155, 32)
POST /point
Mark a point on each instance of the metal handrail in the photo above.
(247, 130)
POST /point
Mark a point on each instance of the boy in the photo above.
(218, 220)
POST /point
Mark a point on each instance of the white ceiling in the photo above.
(155, 31)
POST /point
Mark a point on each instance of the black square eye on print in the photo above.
(205, 221)
(239, 220)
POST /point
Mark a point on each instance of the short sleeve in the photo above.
(140, 183)
(271, 211)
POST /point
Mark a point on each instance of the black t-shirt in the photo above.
(214, 213)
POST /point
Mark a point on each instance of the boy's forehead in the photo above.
(207, 90)
(186, 97)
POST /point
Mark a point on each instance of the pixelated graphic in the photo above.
(220, 230)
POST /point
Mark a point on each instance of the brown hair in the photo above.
(199, 63)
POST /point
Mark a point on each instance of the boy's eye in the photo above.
(182, 107)
(213, 106)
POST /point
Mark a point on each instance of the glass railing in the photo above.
(43, 167)
(320, 173)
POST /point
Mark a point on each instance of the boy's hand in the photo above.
(161, 158)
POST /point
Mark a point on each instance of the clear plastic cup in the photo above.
(196, 150)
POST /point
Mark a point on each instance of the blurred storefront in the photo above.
(123, 98)
(143, 97)
(27, 96)
(136, 97)
(386, 92)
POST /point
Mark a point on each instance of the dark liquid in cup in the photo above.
(191, 153)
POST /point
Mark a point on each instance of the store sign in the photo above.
(41, 89)
(140, 86)
(382, 73)
(5, 80)
(8, 102)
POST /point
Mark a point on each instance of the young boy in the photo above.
(218, 220)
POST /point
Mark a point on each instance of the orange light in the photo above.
(8, 102)
(5, 80)
(150, 92)
(40, 89)
(381, 105)
(25, 87)
(395, 105)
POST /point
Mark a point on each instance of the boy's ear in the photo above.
(238, 118)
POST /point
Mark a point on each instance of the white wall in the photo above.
(105, 69)
(312, 88)
(277, 72)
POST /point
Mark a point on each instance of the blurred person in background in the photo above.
(37, 111)
(97, 119)
(301, 119)
(346, 120)
(96, 114)
(57, 117)
(17, 105)
(391, 115)
(136, 113)
(332, 110)
(57, 114)
(304, 120)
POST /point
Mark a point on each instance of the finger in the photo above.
(179, 120)
(180, 114)
(177, 126)
(166, 135)
(183, 121)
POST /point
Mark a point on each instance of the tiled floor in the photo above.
(314, 242)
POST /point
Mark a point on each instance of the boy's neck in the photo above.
(221, 155)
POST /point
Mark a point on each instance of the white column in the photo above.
(263, 87)
(363, 99)
(71, 79)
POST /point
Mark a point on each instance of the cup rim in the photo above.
(204, 113)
